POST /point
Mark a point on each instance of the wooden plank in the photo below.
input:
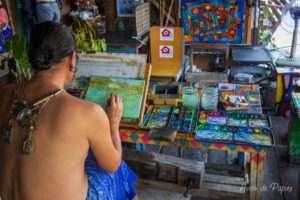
(276, 13)
(253, 175)
(207, 190)
(13, 17)
(169, 13)
(170, 168)
(249, 25)
(208, 77)
(117, 65)
(223, 187)
(260, 174)
(156, 4)
(223, 179)
(147, 79)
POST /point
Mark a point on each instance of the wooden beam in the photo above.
(169, 14)
(156, 4)
(210, 190)
(223, 179)
(276, 13)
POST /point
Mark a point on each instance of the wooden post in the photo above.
(257, 166)
(253, 175)
(260, 173)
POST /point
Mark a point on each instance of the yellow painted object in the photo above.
(279, 89)
(165, 101)
(166, 66)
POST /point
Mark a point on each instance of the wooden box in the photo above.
(208, 58)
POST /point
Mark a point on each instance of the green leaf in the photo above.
(267, 11)
(23, 45)
(16, 47)
(103, 45)
(82, 36)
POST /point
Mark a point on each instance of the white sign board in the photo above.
(167, 34)
(166, 51)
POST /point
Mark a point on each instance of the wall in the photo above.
(67, 7)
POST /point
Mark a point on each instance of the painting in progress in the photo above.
(212, 21)
(130, 90)
(5, 29)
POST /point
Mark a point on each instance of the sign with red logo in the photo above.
(167, 34)
(165, 51)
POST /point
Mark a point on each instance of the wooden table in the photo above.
(257, 153)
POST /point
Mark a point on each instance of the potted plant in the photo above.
(86, 37)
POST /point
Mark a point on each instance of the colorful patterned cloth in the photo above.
(109, 186)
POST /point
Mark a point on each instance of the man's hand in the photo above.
(114, 108)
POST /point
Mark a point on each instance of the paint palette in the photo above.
(235, 127)
(159, 117)
(233, 102)
(180, 118)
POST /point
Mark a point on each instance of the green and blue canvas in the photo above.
(130, 90)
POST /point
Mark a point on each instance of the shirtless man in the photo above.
(65, 129)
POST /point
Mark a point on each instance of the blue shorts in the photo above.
(109, 186)
(47, 12)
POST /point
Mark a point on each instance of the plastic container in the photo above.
(209, 98)
(190, 97)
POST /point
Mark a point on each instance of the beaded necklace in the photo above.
(25, 115)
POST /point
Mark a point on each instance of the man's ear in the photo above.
(72, 59)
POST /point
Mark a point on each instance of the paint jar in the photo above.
(190, 97)
(209, 98)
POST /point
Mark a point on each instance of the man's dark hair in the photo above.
(50, 43)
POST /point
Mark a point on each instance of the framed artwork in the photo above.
(5, 28)
(212, 21)
(126, 8)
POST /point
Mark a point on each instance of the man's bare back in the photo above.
(61, 143)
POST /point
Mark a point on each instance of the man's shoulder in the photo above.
(85, 108)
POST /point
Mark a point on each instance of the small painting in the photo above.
(5, 28)
(212, 21)
(236, 122)
(260, 139)
(130, 90)
(126, 8)
(159, 117)
(213, 135)
(217, 120)
(261, 123)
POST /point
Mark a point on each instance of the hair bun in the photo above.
(39, 58)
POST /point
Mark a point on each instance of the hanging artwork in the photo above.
(130, 90)
(212, 21)
(5, 28)
(126, 8)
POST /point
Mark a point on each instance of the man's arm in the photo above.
(104, 135)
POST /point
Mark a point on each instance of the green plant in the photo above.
(16, 59)
(265, 36)
(86, 37)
